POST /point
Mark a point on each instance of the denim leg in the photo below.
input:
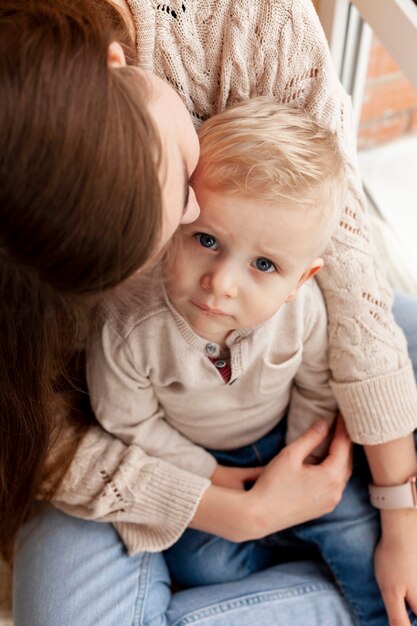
(69, 572)
(347, 538)
(290, 594)
(255, 454)
(199, 558)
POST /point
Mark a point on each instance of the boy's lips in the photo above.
(207, 309)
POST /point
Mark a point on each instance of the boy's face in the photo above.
(240, 261)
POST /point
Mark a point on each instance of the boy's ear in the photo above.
(315, 267)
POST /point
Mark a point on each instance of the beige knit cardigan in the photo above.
(215, 53)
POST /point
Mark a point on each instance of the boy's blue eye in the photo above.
(206, 240)
(264, 265)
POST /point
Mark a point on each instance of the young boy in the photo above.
(201, 364)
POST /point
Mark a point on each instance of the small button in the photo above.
(211, 349)
(220, 364)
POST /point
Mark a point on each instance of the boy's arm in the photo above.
(393, 463)
(125, 404)
(311, 395)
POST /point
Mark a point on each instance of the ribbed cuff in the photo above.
(166, 503)
(379, 409)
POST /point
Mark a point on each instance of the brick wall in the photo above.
(390, 102)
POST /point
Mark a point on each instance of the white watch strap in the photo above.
(395, 497)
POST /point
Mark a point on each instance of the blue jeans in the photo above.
(70, 572)
(345, 539)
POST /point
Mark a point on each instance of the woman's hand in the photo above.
(395, 564)
(290, 491)
(287, 492)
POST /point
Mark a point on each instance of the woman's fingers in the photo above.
(290, 492)
(308, 441)
(397, 613)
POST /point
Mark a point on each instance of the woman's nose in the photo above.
(221, 282)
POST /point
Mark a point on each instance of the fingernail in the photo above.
(320, 427)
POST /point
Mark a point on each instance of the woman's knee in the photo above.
(70, 571)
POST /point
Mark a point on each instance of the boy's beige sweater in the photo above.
(214, 53)
(152, 384)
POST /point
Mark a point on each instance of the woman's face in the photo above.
(180, 152)
(179, 145)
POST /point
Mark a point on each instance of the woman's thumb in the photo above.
(308, 441)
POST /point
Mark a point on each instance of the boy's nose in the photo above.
(220, 283)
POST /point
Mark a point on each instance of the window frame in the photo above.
(387, 19)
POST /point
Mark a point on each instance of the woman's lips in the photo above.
(209, 310)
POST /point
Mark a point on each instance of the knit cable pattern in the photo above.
(218, 52)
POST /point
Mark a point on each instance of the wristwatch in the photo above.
(395, 497)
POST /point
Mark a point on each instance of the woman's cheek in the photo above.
(193, 209)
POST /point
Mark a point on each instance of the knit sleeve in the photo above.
(217, 52)
(150, 502)
(372, 376)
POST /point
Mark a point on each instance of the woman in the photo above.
(109, 153)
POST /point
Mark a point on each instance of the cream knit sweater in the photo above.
(214, 53)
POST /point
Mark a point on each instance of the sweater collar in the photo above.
(210, 348)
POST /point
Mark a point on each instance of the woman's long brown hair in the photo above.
(80, 210)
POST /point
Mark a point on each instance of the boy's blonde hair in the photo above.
(273, 152)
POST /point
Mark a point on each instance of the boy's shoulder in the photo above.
(301, 314)
(139, 302)
(309, 300)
